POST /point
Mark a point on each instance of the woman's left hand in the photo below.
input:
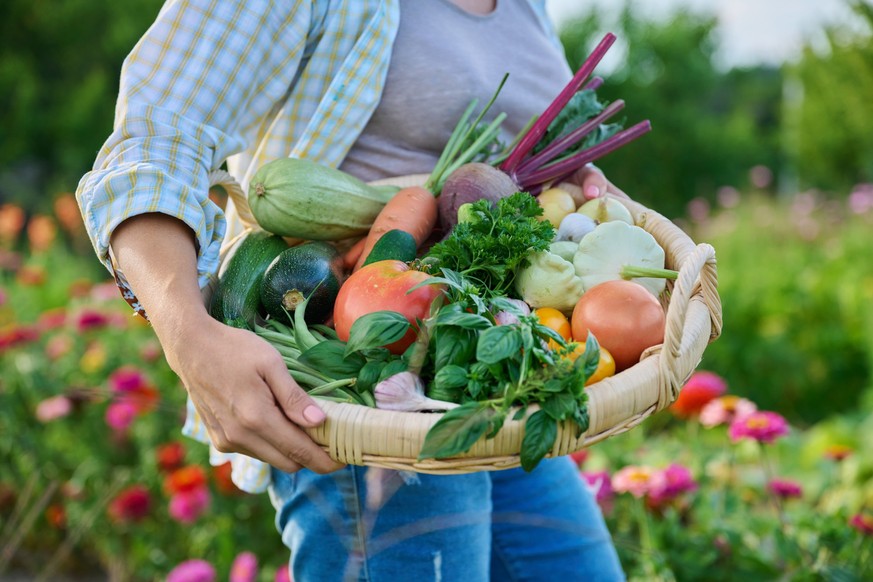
(594, 184)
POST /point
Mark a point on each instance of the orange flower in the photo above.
(67, 213)
(41, 232)
(56, 516)
(837, 452)
(11, 222)
(697, 392)
(31, 276)
(223, 482)
(185, 480)
(170, 456)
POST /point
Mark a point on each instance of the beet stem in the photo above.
(594, 84)
(536, 132)
(558, 146)
(576, 161)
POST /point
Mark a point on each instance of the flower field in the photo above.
(762, 470)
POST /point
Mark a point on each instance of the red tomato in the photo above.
(383, 286)
(624, 317)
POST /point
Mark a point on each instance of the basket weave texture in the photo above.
(361, 435)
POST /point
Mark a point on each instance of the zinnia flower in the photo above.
(637, 480)
(762, 426)
(283, 574)
(187, 507)
(170, 456)
(131, 504)
(120, 415)
(53, 408)
(192, 571)
(579, 457)
(697, 392)
(41, 232)
(863, 522)
(222, 476)
(126, 379)
(724, 409)
(186, 479)
(90, 319)
(52, 319)
(600, 484)
(244, 568)
(676, 479)
(785, 488)
(17, 335)
(837, 452)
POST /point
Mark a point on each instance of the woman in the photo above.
(374, 87)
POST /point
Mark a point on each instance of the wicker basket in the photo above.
(361, 435)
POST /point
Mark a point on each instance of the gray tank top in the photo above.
(442, 58)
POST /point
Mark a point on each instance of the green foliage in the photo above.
(59, 69)
(831, 121)
(708, 127)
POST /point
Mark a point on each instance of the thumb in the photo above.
(593, 182)
(297, 405)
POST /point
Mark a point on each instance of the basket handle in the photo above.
(698, 277)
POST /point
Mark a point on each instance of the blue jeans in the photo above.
(378, 525)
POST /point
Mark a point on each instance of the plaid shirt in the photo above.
(242, 81)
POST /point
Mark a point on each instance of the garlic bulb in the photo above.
(404, 392)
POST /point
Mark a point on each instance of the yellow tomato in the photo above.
(554, 319)
(605, 366)
(557, 204)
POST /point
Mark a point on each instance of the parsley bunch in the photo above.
(491, 246)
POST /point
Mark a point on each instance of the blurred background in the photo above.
(762, 145)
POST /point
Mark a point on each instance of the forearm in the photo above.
(157, 255)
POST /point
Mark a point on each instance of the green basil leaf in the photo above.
(451, 377)
(453, 346)
(502, 342)
(591, 357)
(548, 333)
(456, 431)
(506, 304)
(376, 329)
(368, 377)
(329, 357)
(519, 414)
(580, 417)
(560, 406)
(462, 319)
(391, 368)
(540, 433)
(474, 388)
(496, 423)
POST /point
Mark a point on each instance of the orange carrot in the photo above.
(351, 256)
(413, 210)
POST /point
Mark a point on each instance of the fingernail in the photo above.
(592, 191)
(313, 414)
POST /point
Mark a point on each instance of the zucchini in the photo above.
(237, 300)
(302, 199)
(312, 270)
(397, 245)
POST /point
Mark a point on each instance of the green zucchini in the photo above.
(312, 270)
(237, 300)
(397, 245)
(303, 199)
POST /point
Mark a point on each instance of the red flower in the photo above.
(185, 480)
(90, 319)
(17, 335)
(170, 456)
(56, 515)
(697, 392)
(579, 457)
(52, 318)
(863, 522)
(223, 482)
(132, 504)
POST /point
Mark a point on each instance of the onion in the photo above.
(469, 183)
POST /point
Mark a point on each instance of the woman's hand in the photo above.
(237, 381)
(594, 184)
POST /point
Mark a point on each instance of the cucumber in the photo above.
(237, 298)
(397, 245)
(312, 270)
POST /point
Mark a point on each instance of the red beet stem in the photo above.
(538, 129)
(567, 166)
(560, 145)
(594, 84)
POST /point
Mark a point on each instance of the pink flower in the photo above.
(244, 568)
(637, 480)
(724, 409)
(53, 408)
(126, 379)
(863, 522)
(676, 479)
(697, 392)
(89, 319)
(186, 507)
(192, 571)
(131, 504)
(4, 297)
(52, 319)
(762, 426)
(600, 484)
(785, 488)
(283, 574)
(120, 415)
(57, 346)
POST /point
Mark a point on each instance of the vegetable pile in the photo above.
(518, 299)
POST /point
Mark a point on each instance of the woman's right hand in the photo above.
(248, 402)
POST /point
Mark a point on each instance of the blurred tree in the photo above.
(709, 127)
(59, 69)
(831, 121)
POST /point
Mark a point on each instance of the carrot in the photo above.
(413, 209)
(351, 256)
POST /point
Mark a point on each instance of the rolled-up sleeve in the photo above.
(199, 86)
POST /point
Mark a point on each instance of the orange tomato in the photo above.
(554, 319)
(605, 366)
